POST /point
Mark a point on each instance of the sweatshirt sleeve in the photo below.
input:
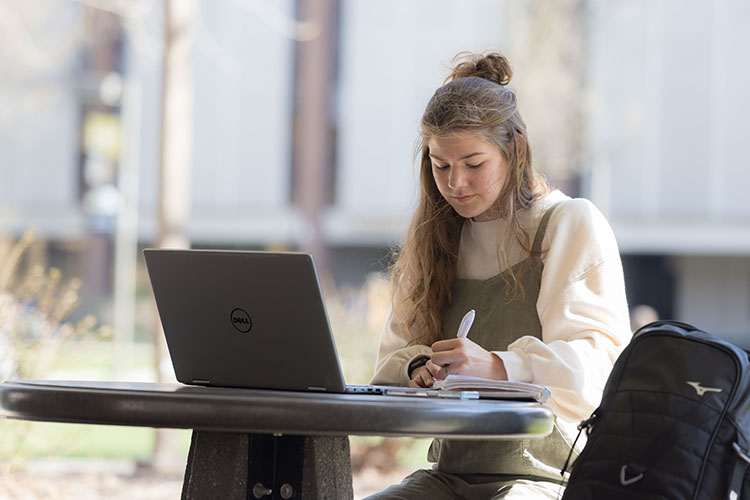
(395, 354)
(583, 311)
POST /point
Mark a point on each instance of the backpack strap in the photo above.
(740, 467)
(584, 425)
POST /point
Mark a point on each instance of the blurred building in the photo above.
(668, 154)
(649, 96)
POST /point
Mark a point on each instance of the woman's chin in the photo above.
(466, 214)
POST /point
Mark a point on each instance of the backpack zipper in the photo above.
(724, 410)
(587, 425)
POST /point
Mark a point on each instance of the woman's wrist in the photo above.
(498, 368)
(416, 363)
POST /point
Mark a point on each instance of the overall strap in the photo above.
(536, 248)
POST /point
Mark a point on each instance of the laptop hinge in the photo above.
(316, 388)
(200, 381)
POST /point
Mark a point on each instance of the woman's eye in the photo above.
(439, 167)
(474, 166)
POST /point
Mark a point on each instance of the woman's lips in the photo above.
(463, 199)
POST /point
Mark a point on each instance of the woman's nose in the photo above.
(457, 178)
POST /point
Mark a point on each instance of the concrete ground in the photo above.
(95, 480)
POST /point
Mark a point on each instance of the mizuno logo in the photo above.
(702, 390)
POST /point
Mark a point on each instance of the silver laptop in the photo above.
(246, 319)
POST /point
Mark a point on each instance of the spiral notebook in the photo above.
(494, 389)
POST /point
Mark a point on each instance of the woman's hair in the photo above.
(474, 99)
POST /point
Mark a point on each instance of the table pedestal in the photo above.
(236, 466)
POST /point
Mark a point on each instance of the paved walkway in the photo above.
(48, 484)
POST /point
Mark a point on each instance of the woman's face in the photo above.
(470, 174)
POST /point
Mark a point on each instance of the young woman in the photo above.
(541, 270)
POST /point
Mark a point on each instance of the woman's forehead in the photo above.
(458, 144)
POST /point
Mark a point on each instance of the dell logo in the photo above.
(241, 320)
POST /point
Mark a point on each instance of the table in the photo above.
(269, 444)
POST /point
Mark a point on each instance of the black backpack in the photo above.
(674, 421)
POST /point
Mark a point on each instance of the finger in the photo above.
(423, 377)
(438, 372)
(448, 358)
(447, 345)
(432, 368)
(416, 379)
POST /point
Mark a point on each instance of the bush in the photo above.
(35, 324)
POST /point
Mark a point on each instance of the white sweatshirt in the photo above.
(581, 305)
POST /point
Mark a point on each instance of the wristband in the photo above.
(417, 363)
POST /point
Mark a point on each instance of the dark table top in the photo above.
(269, 412)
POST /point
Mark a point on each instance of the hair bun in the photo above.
(490, 66)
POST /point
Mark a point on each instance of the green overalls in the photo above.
(498, 324)
(526, 468)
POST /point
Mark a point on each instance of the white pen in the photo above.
(466, 322)
(463, 330)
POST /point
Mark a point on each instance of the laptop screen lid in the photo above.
(244, 319)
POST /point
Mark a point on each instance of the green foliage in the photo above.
(35, 329)
(76, 440)
(357, 315)
(35, 307)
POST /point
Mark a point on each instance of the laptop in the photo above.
(249, 319)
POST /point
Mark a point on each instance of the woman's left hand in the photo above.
(461, 356)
